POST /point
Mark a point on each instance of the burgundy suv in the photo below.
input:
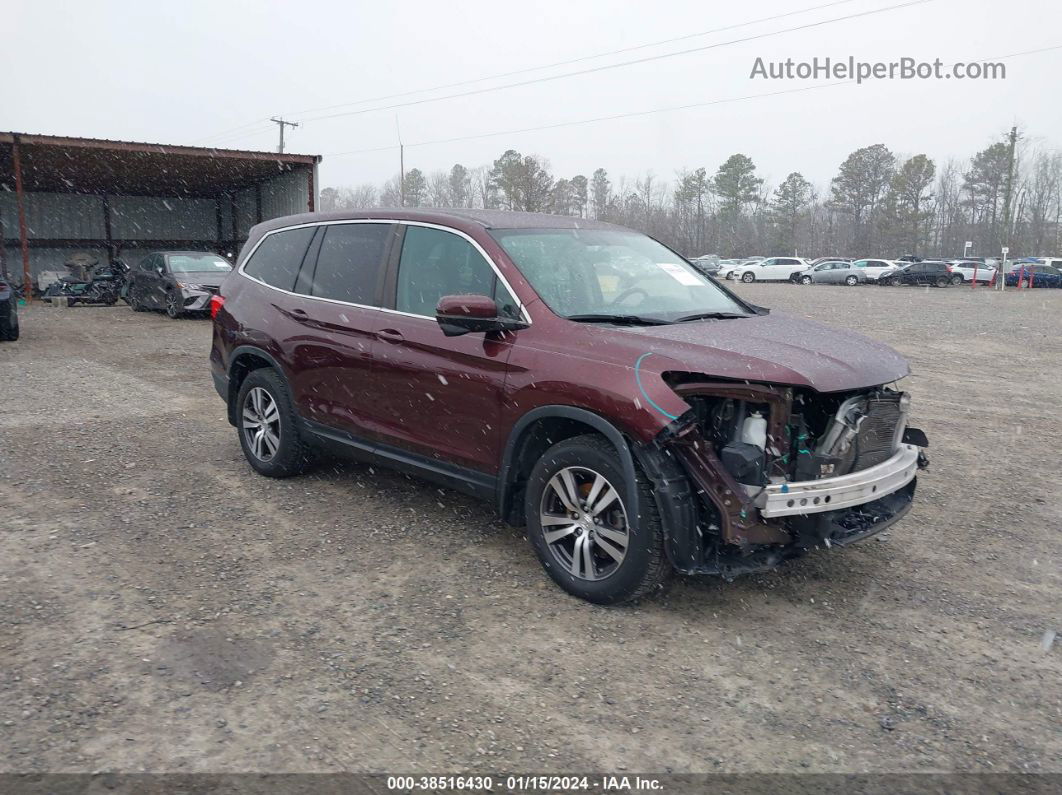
(635, 415)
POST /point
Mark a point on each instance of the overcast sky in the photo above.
(185, 72)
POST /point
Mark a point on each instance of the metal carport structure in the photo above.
(118, 198)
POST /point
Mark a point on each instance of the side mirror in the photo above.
(464, 314)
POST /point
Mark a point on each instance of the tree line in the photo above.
(878, 204)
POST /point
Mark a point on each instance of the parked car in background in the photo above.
(633, 417)
(832, 272)
(1051, 262)
(709, 266)
(820, 260)
(924, 272)
(873, 268)
(1033, 274)
(772, 269)
(8, 311)
(177, 282)
(908, 258)
(969, 270)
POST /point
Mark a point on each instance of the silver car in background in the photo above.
(833, 272)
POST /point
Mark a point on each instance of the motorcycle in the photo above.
(89, 282)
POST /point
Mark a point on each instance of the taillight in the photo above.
(216, 302)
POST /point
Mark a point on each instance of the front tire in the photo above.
(577, 508)
(173, 307)
(267, 427)
(957, 279)
(805, 280)
(134, 302)
(748, 278)
(851, 281)
(942, 281)
(10, 333)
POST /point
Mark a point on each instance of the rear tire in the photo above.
(851, 281)
(263, 402)
(605, 581)
(942, 281)
(957, 279)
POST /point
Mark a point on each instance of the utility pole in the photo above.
(401, 165)
(283, 124)
(1008, 193)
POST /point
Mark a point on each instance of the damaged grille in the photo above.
(877, 431)
(861, 433)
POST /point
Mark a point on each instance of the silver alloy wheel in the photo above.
(584, 523)
(261, 424)
(851, 281)
(172, 309)
(748, 278)
(805, 280)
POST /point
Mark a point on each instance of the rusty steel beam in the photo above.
(23, 234)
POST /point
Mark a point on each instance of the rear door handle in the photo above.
(299, 312)
(390, 335)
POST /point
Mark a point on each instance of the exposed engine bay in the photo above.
(781, 470)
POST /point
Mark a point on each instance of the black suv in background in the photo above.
(925, 272)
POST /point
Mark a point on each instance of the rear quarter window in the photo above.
(349, 262)
(278, 257)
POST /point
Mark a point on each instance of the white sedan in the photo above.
(873, 268)
(772, 269)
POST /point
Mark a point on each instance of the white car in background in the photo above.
(965, 271)
(873, 268)
(772, 269)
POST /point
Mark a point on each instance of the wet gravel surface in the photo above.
(163, 608)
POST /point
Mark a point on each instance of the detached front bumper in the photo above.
(845, 491)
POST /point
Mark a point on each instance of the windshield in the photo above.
(603, 272)
(197, 263)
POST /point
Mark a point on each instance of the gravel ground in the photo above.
(162, 608)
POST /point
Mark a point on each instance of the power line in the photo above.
(596, 119)
(646, 59)
(571, 61)
(224, 133)
(633, 114)
(535, 68)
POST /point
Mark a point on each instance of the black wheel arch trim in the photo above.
(235, 354)
(507, 474)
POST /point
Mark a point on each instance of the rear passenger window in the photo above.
(278, 257)
(349, 262)
(435, 263)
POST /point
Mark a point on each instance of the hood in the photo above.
(775, 348)
(206, 278)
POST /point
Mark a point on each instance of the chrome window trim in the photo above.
(390, 222)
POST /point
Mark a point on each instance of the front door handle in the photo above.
(299, 312)
(390, 335)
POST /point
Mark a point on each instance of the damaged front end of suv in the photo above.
(755, 474)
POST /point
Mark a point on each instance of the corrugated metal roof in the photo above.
(93, 165)
(104, 143)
